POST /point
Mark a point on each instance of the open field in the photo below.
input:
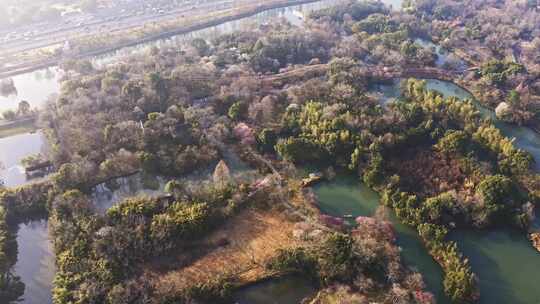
(247, 242)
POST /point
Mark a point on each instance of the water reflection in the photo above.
(293, 14)
(388, 92)
(506, 264)
(291, 289)
(525, 138)
(35, 261)
(34, 87)
(444, 58)
(104, 197)
(12, 150)
(504, 260)
(396, 4)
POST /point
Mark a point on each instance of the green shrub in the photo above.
(133, 207)
(293, 260)
(300, 150)
(453, 142)
(266, 140)
(498, 195)
(181, 221)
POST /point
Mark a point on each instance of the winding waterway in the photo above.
(345, 195)
(504, 260)
(525, 138)
(35, 263)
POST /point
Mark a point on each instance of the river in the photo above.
(525, 138)
(35, 263)
(345, 195)
(504, 260)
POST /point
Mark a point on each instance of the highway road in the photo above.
(55, 36)
(23, 56)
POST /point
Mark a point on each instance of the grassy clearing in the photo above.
(242, 247)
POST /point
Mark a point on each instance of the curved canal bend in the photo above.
(35, 264)
(507, 265)
(504, 260)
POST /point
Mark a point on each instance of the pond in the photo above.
(12, 150)
(444, 57)
(35, 261)
(289, 289)
(345, 195)
(387, 91)
(104, 197)
(34, 87)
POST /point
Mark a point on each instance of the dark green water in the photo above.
(507, 265)
(525, 138)
(346, 195)
(286, 290)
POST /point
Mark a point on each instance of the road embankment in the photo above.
(18, 126)
(199, 23)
